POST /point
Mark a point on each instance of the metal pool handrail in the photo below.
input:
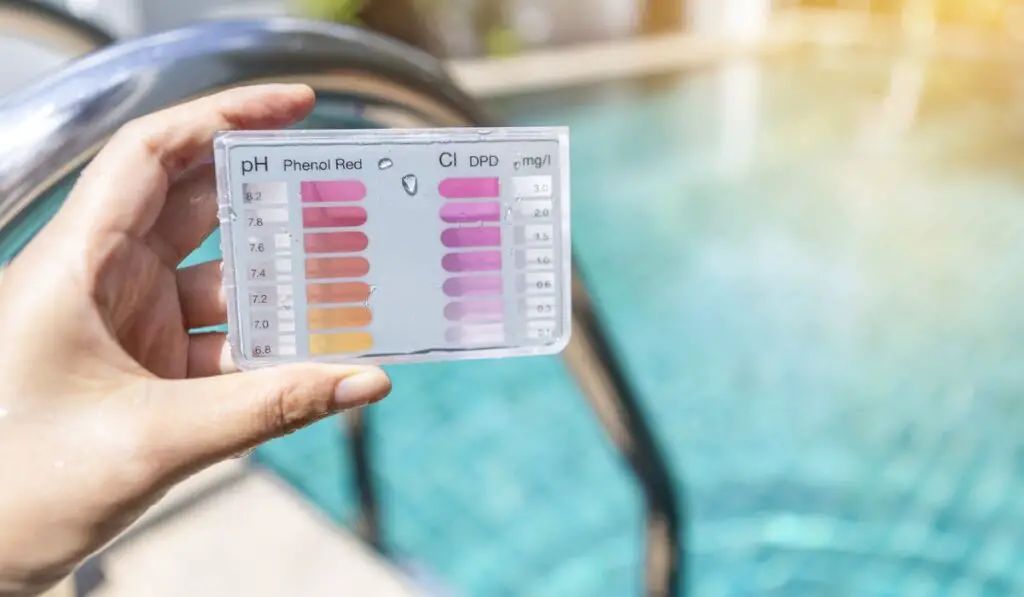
(54, 127)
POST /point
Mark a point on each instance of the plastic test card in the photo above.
(395, 245)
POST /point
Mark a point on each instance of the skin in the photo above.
(106, 401)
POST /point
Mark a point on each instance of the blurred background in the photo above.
(799, 337)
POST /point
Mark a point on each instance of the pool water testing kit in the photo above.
(384, 246)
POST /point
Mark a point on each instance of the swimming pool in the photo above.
(818, 300)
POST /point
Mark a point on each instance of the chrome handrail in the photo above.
(53, 127)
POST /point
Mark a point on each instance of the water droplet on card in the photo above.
(411, 184)
(385, 163)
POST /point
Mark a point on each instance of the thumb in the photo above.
(198, 422)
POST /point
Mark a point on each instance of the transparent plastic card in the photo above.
(388, 246)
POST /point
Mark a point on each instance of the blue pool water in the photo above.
(820, 303)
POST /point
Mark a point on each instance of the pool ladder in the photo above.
(61, 122)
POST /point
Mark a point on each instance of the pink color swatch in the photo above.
(333, 217)
(332, 190)
(458, 213)
(490, 310)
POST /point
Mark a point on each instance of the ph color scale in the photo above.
(393, 246)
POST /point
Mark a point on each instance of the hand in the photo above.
(106, 400)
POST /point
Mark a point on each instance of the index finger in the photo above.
(124, 188)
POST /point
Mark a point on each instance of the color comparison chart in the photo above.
(395, 246)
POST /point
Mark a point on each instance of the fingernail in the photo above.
(361, 389)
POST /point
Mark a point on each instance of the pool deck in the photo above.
(237, 530)
(593, 63)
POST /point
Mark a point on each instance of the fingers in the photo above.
(209, 354)
(124, 188)
(201, 293)
(196, 422)
(188, 217)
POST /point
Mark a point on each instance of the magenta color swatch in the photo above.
(470, 188)
(490, 310)
(473, 286)
(472, 261)
(487, 236)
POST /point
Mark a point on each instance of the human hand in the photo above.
(106, 400)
